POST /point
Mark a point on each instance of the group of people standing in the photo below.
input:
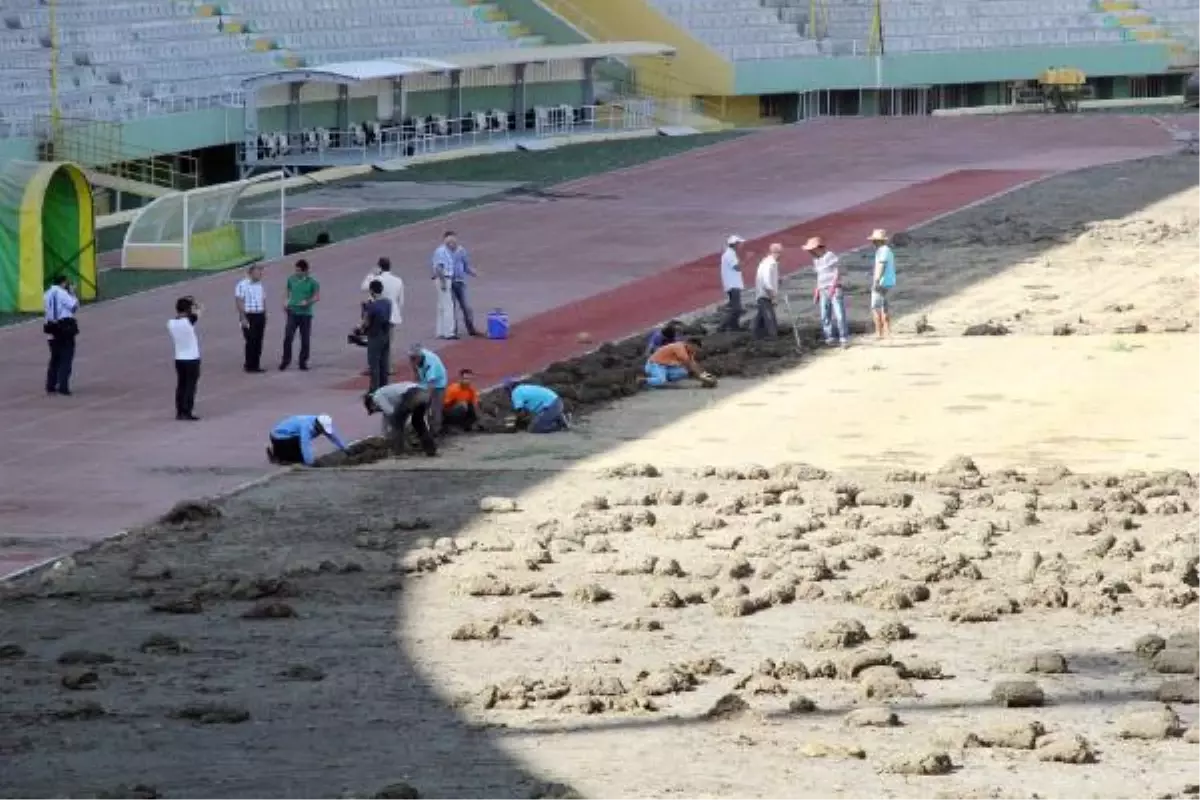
(828, 293)
(381, 317)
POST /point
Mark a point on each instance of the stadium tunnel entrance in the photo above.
(47, 229)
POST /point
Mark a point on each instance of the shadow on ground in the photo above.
(250, 648)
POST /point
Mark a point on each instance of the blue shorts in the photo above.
(879, 299)
(659, 375)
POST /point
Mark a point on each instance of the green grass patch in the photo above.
(536, 170)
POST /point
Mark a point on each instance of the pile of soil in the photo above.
(615, 370)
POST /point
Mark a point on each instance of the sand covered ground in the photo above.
(793, 585)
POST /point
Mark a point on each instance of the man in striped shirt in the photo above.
(828, 292)
(450, 261)
(251, 300)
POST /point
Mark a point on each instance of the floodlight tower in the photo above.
(818, 19)
(55, 110)
(875, 37)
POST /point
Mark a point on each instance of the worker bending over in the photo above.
(539, 408)
(399, 403)
(291, 439)
(674, 362)
(429, 371)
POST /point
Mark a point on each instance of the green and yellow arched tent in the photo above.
(47, 228)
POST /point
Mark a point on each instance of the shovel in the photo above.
(787, 304)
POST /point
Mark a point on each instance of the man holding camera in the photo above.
(187, 356)
(60, 304)
(376, 329)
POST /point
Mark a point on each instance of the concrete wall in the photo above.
(556, 30)
(929, 69)
(696, 69)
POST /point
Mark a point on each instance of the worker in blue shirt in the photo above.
(430, 372)
(291, 438)
(667, 334)
(539, 406)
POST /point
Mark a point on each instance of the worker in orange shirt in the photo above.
(461, 405)
(674, 362)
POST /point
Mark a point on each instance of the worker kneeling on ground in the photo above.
(292, 438)
(399, 403)
(538, 409)
(674, 362)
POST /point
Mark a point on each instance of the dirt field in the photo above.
(532, 618)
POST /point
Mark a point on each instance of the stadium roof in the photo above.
(386, 69)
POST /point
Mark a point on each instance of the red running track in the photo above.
(80, 468)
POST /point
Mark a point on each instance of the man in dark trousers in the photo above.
(399, 403)
(303, 292)
(251, 299)
(377, 327)
(187, 356)
(60, 325)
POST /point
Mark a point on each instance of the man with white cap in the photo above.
(291, 439)
(732, 284)
(766, 285)
(828, 292)
(882, 283)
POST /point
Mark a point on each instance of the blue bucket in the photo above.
(497, 324)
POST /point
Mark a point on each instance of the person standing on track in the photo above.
(377, 327)
(250, 296)
(303, 291)
(61, 326)
(766, 286)
(451, 267)
(733, 284)
(828, 292)
(882, 283)
(393, 291)
(187, 356)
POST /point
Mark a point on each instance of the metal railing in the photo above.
(412, 138)
(125, 109)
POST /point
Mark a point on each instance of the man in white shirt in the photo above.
(828, 292)
(187, 356)
(732, 284)
(766, 287)
(251, 300)
(60, 325)
(393, 290)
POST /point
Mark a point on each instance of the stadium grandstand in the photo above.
(151, 96)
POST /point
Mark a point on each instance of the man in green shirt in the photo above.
(303, 292)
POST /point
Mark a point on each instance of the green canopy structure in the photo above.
(47, 229)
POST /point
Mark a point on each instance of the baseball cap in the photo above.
(416, 349)
(734, 240)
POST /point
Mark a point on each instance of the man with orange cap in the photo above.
(828, 292)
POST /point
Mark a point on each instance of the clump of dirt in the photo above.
(188, 511)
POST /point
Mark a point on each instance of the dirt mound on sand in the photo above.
(615, 370)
